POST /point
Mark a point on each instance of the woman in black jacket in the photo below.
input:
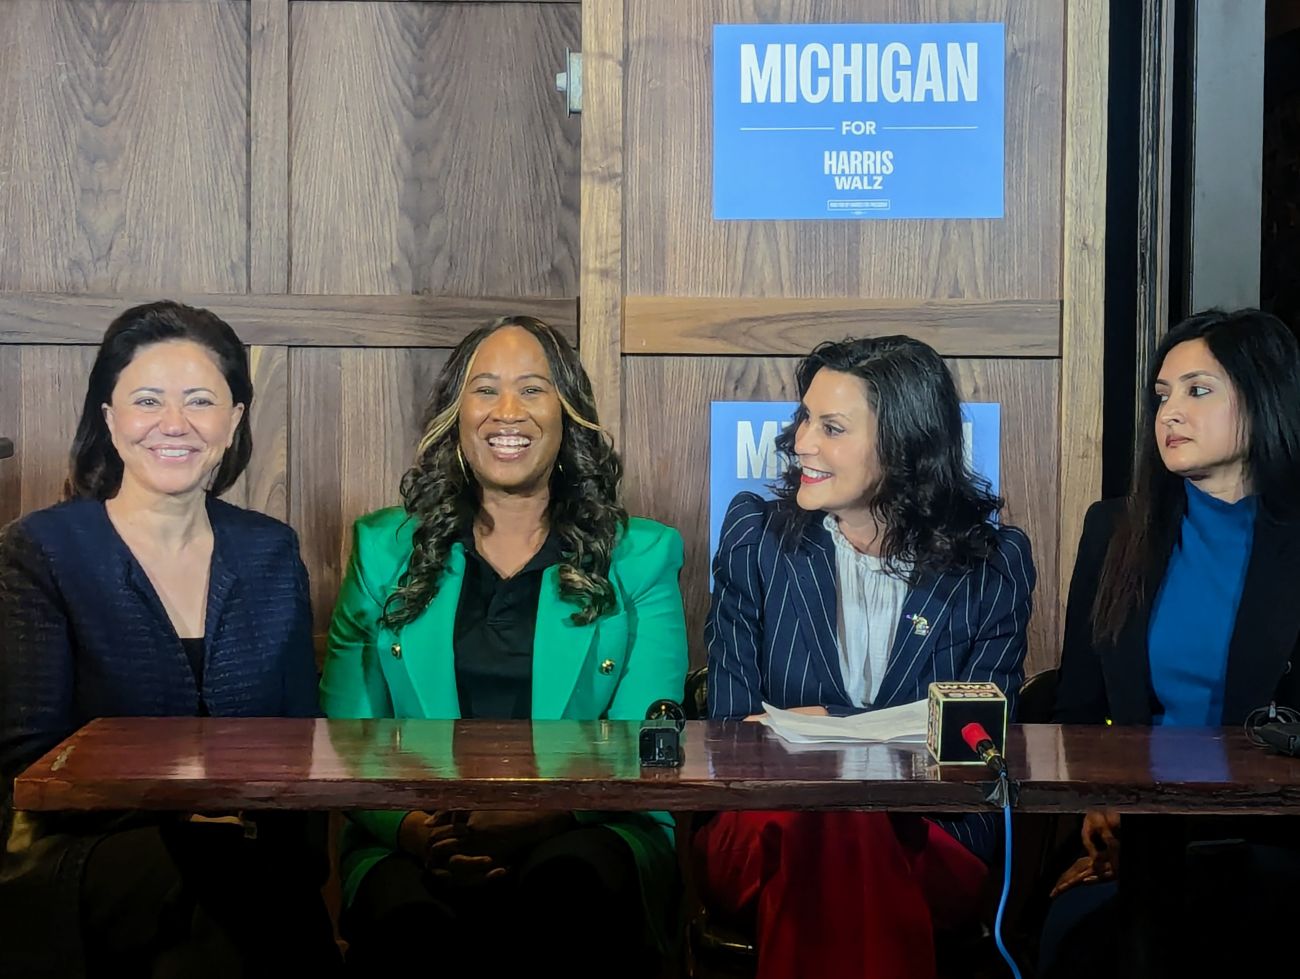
(1184, 610)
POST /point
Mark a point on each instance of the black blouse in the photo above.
(493, 638)
(194, 653)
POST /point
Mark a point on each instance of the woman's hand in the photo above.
(1101, 862)
(504, 834)
(470, 848)
(1083, 871)
(437, 841)
(420, 830)
(1101, 835)
(811, 711)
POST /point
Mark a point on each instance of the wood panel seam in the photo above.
(785, 326)
(1083, 276)
(286, 320)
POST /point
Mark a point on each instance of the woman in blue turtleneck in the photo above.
(1184, 608)
(1196, 607)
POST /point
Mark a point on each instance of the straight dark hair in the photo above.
(1261, 358)
(935, 512)
(96, 468)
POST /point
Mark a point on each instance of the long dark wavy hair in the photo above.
(96, 468)
(443, 497)
(1262, 360)
(934, 511)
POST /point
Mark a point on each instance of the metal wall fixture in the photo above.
(569, 81)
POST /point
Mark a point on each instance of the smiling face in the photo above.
(836, 446)
(1198, 426)
(171, 418)
(511, 419)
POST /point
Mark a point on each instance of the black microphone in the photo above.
(1282, 738)
(982, 744)
(660, 744)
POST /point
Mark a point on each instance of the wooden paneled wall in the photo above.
(354, 185)
(719, 310)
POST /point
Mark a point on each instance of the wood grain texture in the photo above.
(600, 280)
(1082, 321)
(673, 247)
(264, 485)
(316, 471)
(123, 162)
(1031, 446)
(52, 389)
(355, 417)
(268, 146)
(569, 2)
(430, 151)
(296, 321)
(954, 327)
(187, 764)
(666, 438)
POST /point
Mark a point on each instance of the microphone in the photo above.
(979, 741)
(660, 744)
(954, 706)
(1282, 738)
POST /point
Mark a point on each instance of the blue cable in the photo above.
(1006, 879)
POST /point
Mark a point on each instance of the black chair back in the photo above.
(1037, 701)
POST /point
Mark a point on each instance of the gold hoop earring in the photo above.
(460, 457)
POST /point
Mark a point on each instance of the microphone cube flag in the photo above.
(953, 705)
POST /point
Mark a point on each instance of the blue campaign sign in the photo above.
(743, 455)
(849, 121)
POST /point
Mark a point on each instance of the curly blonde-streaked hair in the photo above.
(443, 499)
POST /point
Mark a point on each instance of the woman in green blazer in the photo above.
(511, 584)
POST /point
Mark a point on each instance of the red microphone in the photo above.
(979, 741)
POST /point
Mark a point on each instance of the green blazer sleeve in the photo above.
(352, 682)
(646, 567)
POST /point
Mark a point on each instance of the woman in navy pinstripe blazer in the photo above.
(875, 572)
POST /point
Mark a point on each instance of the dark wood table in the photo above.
(194, 764)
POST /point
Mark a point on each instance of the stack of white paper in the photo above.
(904, 724)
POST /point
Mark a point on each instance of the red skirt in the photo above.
(839, 893)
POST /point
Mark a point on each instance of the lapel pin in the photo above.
(920, 625)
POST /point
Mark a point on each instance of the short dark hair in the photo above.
(96, 466)
(1262, 360)
(935, 512)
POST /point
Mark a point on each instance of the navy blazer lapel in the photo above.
(1268, 619)
(221, 577)
(816, 595)
(136, 578)
(925, 616)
